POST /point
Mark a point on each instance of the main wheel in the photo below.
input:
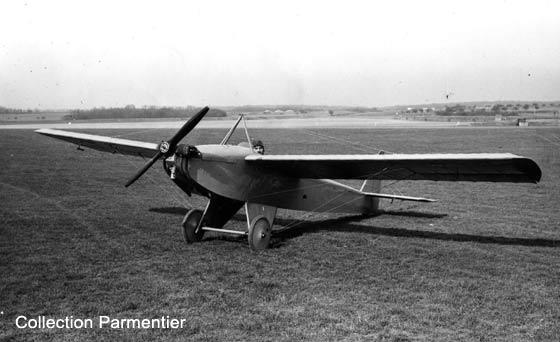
(259, 233)
(190, 222)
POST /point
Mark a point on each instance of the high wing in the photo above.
(475, 167)
(103, 143)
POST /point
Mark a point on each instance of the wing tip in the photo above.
(531, 169)
(46, 131)
(43, 131)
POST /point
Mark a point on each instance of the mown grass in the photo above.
(483, 263)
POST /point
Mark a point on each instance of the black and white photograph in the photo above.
(280, 170)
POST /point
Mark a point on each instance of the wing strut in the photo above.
(231, 130)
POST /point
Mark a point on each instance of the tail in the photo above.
(371, 203)
(371, 189)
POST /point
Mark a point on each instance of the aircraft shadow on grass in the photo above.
(346, 224)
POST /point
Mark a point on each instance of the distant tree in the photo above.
(526, 106)
(145, 112)
(331, 112)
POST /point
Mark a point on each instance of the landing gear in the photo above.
(190, 225)
(259, 233)
(219, 210)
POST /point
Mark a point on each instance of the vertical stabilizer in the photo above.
(371, 204)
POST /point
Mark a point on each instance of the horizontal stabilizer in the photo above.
(401, 198)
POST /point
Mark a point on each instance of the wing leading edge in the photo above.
(103, 143)
(474, 167)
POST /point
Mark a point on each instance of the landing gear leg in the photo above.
(259, 233)
(260, 219)
(190, 225)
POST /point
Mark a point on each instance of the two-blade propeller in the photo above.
(167, 148)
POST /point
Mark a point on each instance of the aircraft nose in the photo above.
(177, 168)
(179, 161)
(187, 151)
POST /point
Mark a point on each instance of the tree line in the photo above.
(6, 110)
(129, 112)
(504, 109)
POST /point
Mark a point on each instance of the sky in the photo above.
(83, 54)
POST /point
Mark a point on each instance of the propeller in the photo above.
(167, 148)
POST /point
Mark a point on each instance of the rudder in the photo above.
(371, 204)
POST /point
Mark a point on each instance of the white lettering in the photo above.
(156, 324)
(69, 322)
(132, 323)
(103, 320)
(32, 323)
(21, 326)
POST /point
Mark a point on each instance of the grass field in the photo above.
(481, 264)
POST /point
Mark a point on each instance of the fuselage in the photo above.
(222, 169)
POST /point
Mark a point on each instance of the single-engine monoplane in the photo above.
(233, 176)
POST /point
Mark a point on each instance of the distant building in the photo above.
(289, 111)
(278, 111)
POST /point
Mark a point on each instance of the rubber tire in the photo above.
(190, 222)
(260, 232)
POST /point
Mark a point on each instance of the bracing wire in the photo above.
(357, 146)
(297, 222)
(352, 144)
(547, 139)
(313, 213)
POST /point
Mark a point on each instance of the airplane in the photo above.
(236, 176)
